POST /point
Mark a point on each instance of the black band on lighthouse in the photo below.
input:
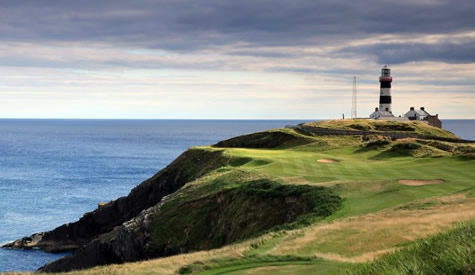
(384, 99)
(385, 84)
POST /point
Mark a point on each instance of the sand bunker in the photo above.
(327, 160)
(420, 182)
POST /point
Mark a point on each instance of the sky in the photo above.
(228, 59)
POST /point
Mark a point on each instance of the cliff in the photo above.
(188, 166)
(241, 188)
(136, 227)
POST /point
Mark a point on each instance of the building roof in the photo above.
(381, 114)
(421, 114)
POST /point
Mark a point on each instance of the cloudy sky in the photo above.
(246, 59)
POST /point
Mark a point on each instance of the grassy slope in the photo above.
(220, 209)
(446, 253)
(367, 179)
(361, 175)
(382, 125)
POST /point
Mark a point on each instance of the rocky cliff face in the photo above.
(188, 166)
(201, 218)
(125, 243)
(155, 220)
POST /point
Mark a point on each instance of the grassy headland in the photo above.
(289, 203)
(414, 127)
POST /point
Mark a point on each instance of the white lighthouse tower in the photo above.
(385, 100)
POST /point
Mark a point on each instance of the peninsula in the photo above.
(317, 198)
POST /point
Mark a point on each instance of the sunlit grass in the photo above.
(378, 215)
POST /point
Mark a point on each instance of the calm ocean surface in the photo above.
(53, 171)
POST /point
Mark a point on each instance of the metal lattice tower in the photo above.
(353, 105)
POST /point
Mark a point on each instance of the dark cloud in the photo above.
(257, 53)
(184, 25)
(396, 53)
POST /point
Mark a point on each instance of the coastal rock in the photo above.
(188, 166)
(126, 243)
(193, 220)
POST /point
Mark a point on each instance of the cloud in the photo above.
(401, 52)
(188, 25)
(294, 57)
(184, 26)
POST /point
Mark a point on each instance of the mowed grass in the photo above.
(268, 265)
(359, 177)
(378, 214)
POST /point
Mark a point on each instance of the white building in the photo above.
(423, 115)
(414, 114)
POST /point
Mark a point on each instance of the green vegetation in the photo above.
(414, 127)
(362, 174)
(222, 209)
(446, 253)
(268, 139)
(271, 264)
(285, 203)
(465, 151)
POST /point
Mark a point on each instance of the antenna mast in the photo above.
(353, 105)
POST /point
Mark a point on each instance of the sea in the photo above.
(53, 171)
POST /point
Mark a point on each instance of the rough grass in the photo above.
(377, 216)
(268, 139)
(446, 253)
(359, 239)
(383, 125)
(235, 206)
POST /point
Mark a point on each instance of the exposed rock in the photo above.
(188, 166)
(182, 223)
(126, 243)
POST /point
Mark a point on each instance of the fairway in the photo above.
(360, 176)
(391, 194)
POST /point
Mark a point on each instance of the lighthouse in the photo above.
(385, 90)
(384, 110)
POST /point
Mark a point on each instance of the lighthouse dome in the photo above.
(385, 71)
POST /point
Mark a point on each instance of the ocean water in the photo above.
(53, 171)
(464, 128)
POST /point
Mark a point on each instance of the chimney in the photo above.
(412, 108)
